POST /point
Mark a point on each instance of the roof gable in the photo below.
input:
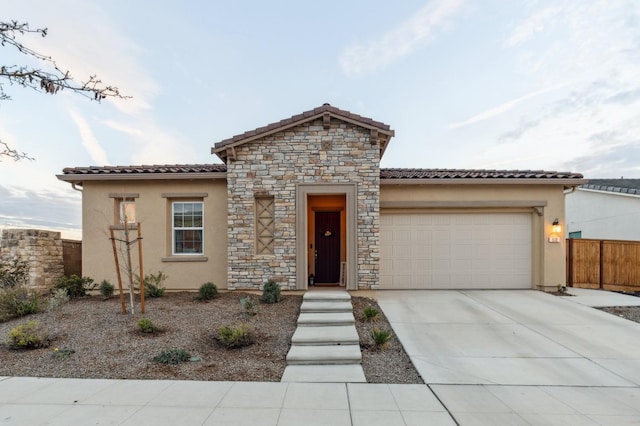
(380, 131)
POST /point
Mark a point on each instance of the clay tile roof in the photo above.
(300, 118)
(474, 174)
(152, 169)
(622, 186)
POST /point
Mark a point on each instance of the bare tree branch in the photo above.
(7, 151)
(46, 81)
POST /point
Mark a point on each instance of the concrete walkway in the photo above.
(325, 347)
(488, 358)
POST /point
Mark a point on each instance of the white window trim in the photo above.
(173, 229)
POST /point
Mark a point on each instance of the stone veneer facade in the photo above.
(274, 165)
(42, 250)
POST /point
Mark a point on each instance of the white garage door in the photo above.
(455, 251)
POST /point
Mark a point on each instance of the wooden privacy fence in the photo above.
(605, 264)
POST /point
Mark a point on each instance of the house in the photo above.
(304, 199)
(605, 209)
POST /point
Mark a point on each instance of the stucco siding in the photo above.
(153, 211)
(548, 259)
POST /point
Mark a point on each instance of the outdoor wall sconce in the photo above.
(556, 230)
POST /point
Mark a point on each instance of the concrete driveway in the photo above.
(521, 357)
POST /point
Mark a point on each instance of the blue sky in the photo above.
(465, 84)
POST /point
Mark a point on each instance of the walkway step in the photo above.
(324, 319)
(326, 306)
(330, 335)
(338, 373)
(324, 296)
(347, 354)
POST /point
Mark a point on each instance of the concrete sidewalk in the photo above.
(40, 401)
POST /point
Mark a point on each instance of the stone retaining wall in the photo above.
(41, 249)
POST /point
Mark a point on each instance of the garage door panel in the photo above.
(477, 250)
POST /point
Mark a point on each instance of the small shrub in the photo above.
(271, 292)
(207, 291)
(106, 289)
(153, 284)
(59, 298)
(62, 353)
(370, 313)
(172, 356)
(236, 337)
(76, 286)
(381, 337)
(147, 326)
(17, 302)
(250, 305)
(13, 273)
(28, 336)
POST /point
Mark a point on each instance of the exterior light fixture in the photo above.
(556, 230)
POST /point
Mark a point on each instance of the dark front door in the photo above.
(327, 247)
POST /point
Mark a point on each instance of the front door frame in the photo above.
(302, 226)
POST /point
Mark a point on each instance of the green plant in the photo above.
(271, 292)
(370, 313)
(250, 305)
(207, 291)
(13, 273)
(381, 337)
(59, 298)
(153, 284)
(106, 289)
(28, 336)
(76, 286)
(18, 301)
(62, 353)
(236, 337)
(172, 356)
(147, 326)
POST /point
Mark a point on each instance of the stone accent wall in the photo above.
(41, 249)
(274, 165)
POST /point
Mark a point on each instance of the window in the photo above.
(187, 227)
(265, 226)
(127, 210)
(575, 234)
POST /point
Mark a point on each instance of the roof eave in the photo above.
(79, 178)
(567, 183)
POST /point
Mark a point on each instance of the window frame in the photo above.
(187, 228)
(122, 203)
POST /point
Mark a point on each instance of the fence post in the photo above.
(570, 278)
(601, 263)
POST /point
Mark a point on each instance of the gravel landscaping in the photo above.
(91, 338)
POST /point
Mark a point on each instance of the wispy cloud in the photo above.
(108, 53)
(417, 31)
(121, 127)
(89, 141)
(533, 24)
(501, 109)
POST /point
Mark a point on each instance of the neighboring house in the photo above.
(306, 197)
(604, 209)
